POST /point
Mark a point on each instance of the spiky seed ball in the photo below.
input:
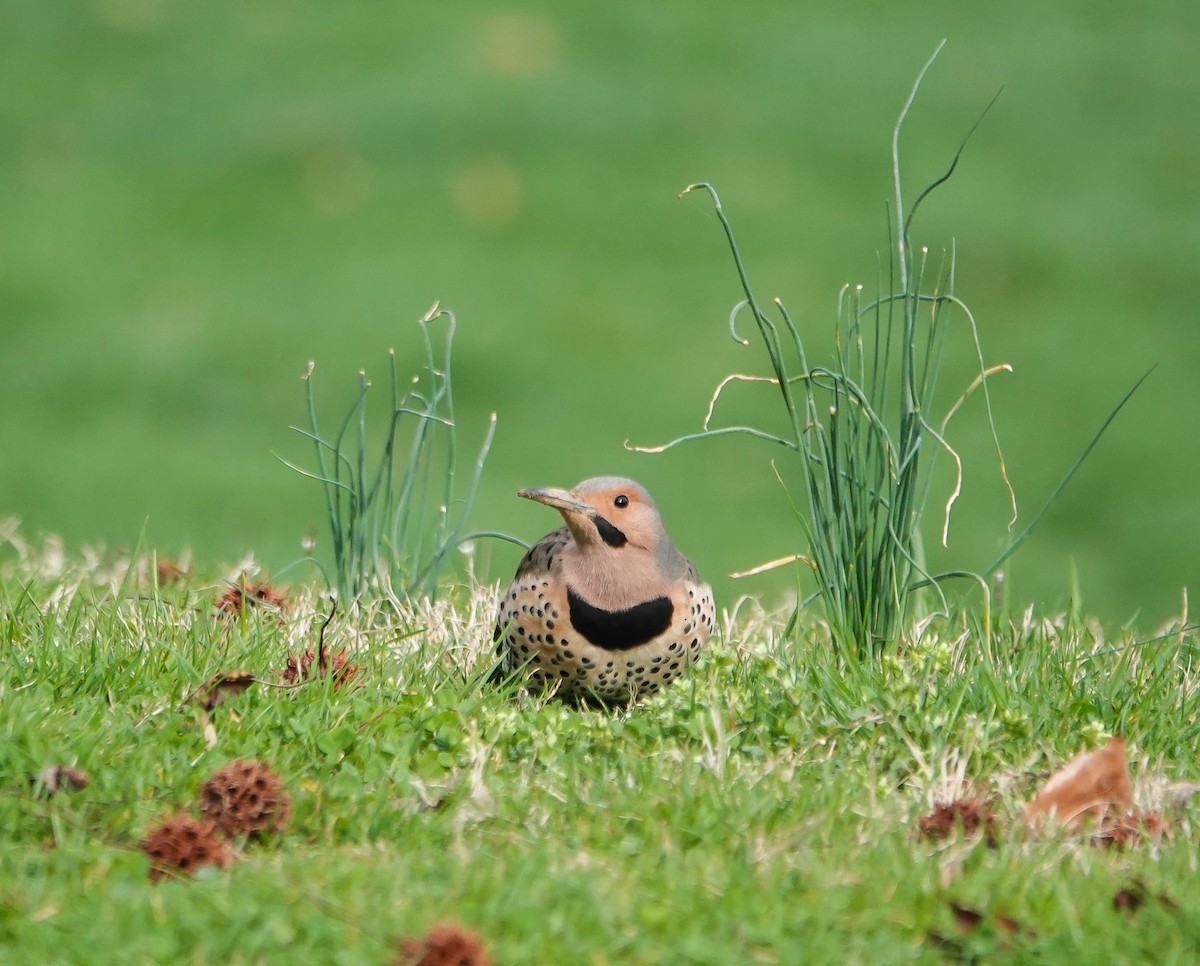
(239, 597)
(181, 844)
(446, 945)
(308, 666)
(245, 798)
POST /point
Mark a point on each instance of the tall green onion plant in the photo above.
(396, 518)
(865, 429)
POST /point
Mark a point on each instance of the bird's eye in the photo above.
(621, 501)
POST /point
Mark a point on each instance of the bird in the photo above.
(604, 608)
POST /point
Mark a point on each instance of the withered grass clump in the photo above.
(446, 945)
(180, 844)
(245, 798)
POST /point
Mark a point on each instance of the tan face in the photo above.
(628, 509)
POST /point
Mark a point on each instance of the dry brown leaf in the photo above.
(221, 688)
(1090, 785)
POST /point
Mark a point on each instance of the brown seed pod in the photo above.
(970, 816)
(446, 945)
(181, 844)
(55, 778)
(245, 798)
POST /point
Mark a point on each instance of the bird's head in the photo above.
(606, 512)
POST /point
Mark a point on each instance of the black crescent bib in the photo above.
(620, 630)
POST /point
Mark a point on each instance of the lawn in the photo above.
(201, 201)
(764, 809)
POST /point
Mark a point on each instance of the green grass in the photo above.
(763, 810)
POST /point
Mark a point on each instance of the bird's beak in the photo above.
(561, 500)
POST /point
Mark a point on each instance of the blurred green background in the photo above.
(196, 199)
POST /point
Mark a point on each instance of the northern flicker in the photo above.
(605, 607)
